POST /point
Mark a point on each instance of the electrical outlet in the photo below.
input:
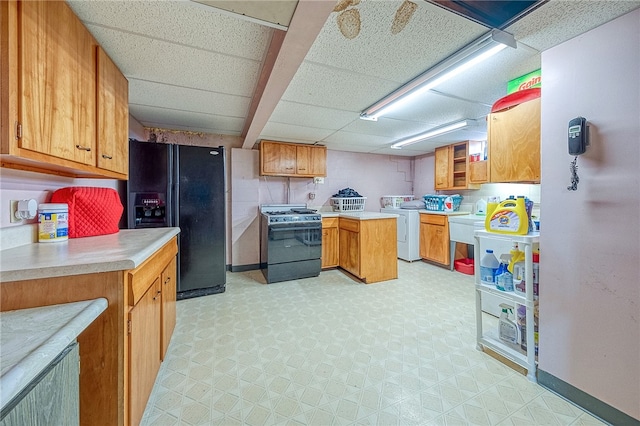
(312, 195)
(13, 204)
(317, 180)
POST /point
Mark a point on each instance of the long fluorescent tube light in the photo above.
(432, 133)
(471, 55)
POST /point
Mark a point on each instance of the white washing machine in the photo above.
(408, 233)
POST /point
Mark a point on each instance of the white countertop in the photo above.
(124, 250)
(361, 215)
(32, 338)
(458, 213)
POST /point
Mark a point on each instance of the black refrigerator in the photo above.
(183, 186)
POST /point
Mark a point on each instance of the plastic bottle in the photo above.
(504, 278)
(517, 255)
(507, 328)
(488, 266)
(521, 319)
(492, 203)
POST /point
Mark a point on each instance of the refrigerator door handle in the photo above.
(175, 159)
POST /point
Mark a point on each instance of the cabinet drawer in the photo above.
(350, 224)
(141, 278)
(330, 222)
(434, 219)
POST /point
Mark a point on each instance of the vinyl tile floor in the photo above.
(334, 351)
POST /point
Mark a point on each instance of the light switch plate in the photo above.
(318, 180)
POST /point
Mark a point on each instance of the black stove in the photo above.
(291, 242)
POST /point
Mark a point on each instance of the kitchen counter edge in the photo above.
(124, 250)
(360, 215)
(33, 338)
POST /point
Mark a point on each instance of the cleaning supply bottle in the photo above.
(488, 266)
(504, 278)
(507, 329)
(517, 255)
(492, 203)
(509, 217)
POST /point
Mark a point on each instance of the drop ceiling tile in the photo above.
(178, 22)
(388, 127)
(437, 109)
(148, 93)
(160, 61)
(558, 21)
(174, 119)
(293, 133)
(355, 139)
(311, 116)
(337, 146)
(400, 57)
(329, 87)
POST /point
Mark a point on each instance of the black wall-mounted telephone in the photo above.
(577, 136)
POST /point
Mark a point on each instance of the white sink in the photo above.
(461, 227)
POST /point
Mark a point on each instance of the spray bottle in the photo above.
(507, 329)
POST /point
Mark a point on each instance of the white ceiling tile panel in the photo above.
(318, 85)
(293, 133)
(400, 57)
(169, 96)
(311, 116)
(434, 108)
(179, 22)
(156, 60)
(337, 146)
(170, 119)
(558, 21)
(389, 127)
(358, 139)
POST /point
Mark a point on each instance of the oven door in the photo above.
(293, 242)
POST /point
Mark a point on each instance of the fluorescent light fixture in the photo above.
(432, 133)
(471, 55)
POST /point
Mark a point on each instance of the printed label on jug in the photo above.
(487, 275)
(505, 221)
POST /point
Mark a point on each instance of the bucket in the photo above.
(53, 222)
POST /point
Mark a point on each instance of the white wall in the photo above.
(590, 239)
(371, 175)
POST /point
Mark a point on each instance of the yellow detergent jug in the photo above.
(510, 217)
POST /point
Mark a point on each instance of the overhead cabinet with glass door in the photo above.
(292, 160)
(64, 104)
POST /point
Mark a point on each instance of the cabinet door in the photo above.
(442, 180)
(514, 143)
(349, 251)
(478, 172)
(277, 158)
(57, 69)
(311, 160)
(330, 247)
(113, 116)
(437, 244)
(168, 313)
(144, 350)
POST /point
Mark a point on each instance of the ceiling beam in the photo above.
(308, 19)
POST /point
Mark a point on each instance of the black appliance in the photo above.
(183, 186)
(290, 242)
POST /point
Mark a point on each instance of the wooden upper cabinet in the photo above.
(514, 143)
(452, 167)
(64, 103)
(442, 168)
(293, 160)
(57, 70)
(113, 116)
(311, 160)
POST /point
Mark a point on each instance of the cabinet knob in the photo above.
(83, 148)
(108, 157)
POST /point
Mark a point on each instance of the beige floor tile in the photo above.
(333, 351)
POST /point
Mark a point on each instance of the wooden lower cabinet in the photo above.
(369, 248)
(169, 281)
(144, 349)
(434, 238)
(330, 243)
(108, 353)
